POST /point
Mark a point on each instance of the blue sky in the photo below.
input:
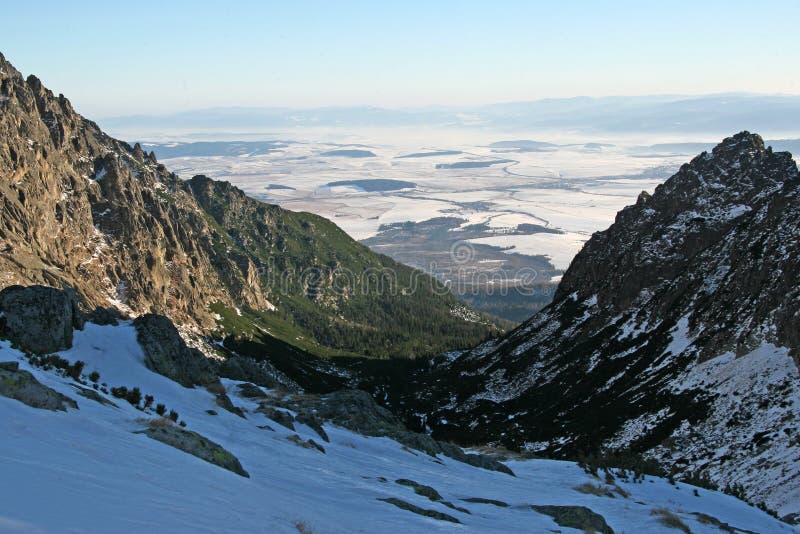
(114, 58)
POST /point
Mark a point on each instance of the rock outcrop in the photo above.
(196, 445)
(39, 319)
(577, 517)
(166, 352)
(673, 334)
(21, 385)
(81, 209)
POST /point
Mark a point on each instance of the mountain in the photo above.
(674, 334)
(671, 342)
(82, 209)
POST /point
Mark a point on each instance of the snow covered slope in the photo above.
(87, 470)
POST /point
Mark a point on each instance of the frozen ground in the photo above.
(87, 471)
(577, 185)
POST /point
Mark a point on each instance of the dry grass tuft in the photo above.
(593, 489)
(621, 491)
(157, 422)
(671, 520)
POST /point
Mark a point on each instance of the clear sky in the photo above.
(120, 58)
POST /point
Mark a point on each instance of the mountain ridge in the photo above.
(83, 209)
(706, 114)
(658, 328)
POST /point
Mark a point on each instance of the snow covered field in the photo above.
(87, 471)
(577, 184)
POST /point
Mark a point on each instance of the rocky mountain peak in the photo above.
(674, 334)
(651, 240)
(79, 208)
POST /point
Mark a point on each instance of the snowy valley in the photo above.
(96, 471)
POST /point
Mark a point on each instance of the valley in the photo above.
(518, 211)
(561, 315)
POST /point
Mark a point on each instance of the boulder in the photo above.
(279, 416)
(39, 319)
(196, 445)
(251, 391)
(578, 517)
(23, 386)
(166, 352)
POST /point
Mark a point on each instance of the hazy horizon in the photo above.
(157, 58)
(451, 107)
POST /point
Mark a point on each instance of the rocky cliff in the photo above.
(673, 334)
(81, 209)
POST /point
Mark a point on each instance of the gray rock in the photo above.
(420, 489)
(307, 444)
(104, 316)
(166, 352)
(197, 445)
(39, 319)
(225, 402)
(481, 500)
(23, 386)
(313, 422)
(279, 416)
(434, 514)
(251, 391)
(578, 517)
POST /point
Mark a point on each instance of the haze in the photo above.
(116, 59)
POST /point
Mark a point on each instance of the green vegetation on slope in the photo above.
(331, 294)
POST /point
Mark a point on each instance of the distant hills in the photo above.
(677, 113)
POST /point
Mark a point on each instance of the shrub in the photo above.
(621, 491)
(700, 479)
(148, 401)
(161, 409)
(134, 396)
(120, 392)
(74, 371)
(173, 415)
(53, 361)
(94, 376)
(621, 459)
(302, 527)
